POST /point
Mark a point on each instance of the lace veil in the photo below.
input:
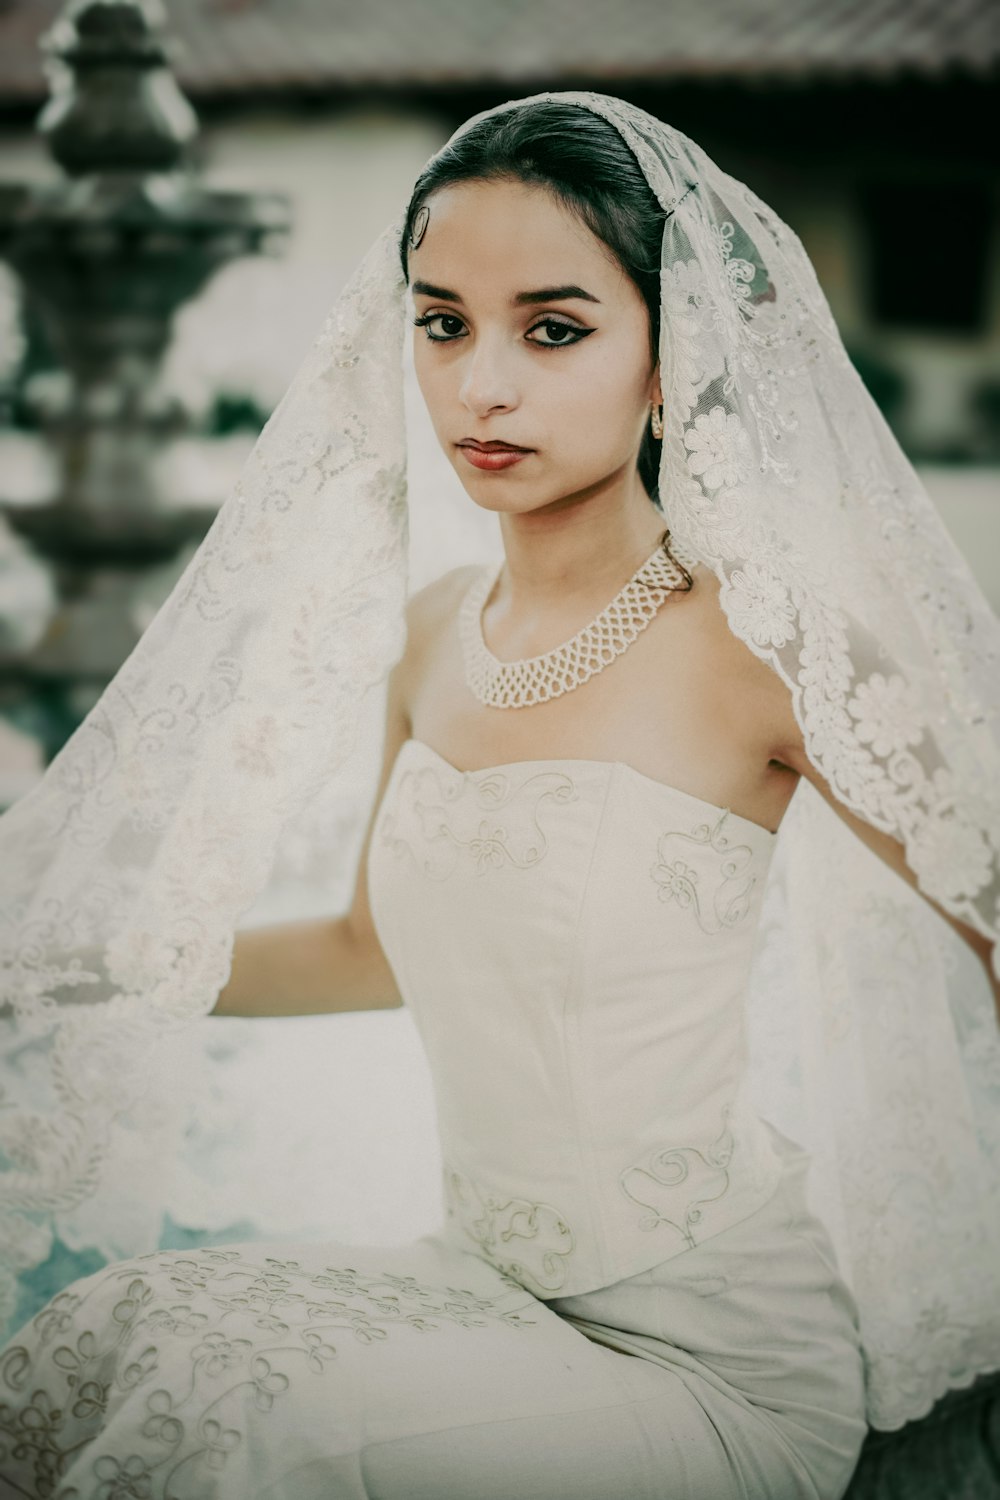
(873, 1039)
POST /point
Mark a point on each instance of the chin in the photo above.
(499, 504)
(500, 492)
(511, 494)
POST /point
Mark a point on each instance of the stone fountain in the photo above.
(106, 254)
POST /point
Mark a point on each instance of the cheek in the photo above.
(607, 400)
(435, 384)
(582, 405)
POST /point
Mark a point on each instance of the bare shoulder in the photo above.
(433, 605)
(429, 611)
(751, 692)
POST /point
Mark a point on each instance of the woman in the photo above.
(588, 755)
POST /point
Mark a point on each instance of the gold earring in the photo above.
(657, 421)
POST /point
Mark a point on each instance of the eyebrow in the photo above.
(522, 299)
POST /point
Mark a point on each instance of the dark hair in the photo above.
(583, 160)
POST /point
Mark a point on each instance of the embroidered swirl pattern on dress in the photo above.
(540, 1232)
(438, 818)
(673, 1183)
(717, 891)
(871, 619)
(254, 1327)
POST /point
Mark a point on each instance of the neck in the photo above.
(581, 553)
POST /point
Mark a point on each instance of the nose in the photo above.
(487, 383)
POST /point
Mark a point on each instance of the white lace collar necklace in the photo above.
(535, 679)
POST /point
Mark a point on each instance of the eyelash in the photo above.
(436, 338)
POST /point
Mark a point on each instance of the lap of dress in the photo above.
(420, 1372)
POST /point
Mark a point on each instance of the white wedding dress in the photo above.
(629, 1297)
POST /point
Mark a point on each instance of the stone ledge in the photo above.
(951, 1454)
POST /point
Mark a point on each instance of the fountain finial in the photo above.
(115, 104)
(106, 254)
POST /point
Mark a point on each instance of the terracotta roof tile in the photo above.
(239, 45)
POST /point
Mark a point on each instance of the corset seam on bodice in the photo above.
(609, 998)
(573, 1001)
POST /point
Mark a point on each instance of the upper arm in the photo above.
(397, 728)
(790, 750)
(760, 707)
(756, 702)
(426, 613)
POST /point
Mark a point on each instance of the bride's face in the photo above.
(532, 335)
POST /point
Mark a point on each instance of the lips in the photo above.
(493, 446)
(493, 457)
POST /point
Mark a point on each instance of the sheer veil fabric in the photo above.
(873, 1039)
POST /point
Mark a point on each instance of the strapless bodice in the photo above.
(574, 941)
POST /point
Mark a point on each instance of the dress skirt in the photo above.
(281, 1371)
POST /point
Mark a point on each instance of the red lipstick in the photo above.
(492, 455)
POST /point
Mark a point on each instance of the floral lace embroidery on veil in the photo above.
(245, 691)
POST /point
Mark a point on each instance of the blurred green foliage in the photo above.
(233, 411)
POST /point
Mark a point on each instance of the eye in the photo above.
(557, 333)
(560, 333)
(447, 335)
